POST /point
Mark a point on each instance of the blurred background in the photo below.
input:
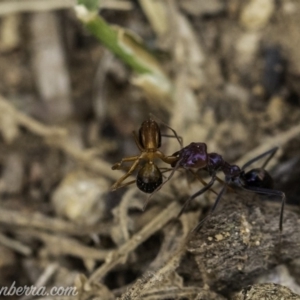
(226, 73)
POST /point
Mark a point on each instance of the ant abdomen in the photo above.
(258, 178)
(149, 178)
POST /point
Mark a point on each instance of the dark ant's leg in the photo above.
(200, 224)
(205, 183)
(165, 170)
(179, 138)
(222, 182)
(131, 170)
(201, 180)
(271, 193)
(203, 190)
(155, 191)
(270, 152)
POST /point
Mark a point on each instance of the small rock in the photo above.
(257, 13)
(81, 198)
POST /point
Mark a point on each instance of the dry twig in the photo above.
(15, 245)
(57, 138)
(40, 221)
(117, 256)
(60, 245)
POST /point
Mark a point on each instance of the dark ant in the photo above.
(149, 176)
(195, 156)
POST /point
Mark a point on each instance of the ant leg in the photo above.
(167, 159)
(228, 187)
(118, 166)
(203, 190)
(131, 170)
(158, 188)
(165, 170)
(205, 183)
(179, 138)
(200, 224)
(270, 152)
(198, 177)
(271, 193)
(126, 184)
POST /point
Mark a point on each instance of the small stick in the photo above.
(117, 256)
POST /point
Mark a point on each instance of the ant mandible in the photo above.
(148, 141)
(257, 180)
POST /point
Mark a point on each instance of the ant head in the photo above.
(150, 135)
(149, 178)
(193, 156)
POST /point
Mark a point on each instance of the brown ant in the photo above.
(148, 141)
(195, 156)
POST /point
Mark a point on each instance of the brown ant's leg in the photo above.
(219, 180)
(118, 166)
(200, 224)
(123, 168)
(203, 181)
(179, 138)
(198, 177)
(270, 152)
(167, 159)
(203, 190)
(126, 184)
(131, 170)
(271, 193)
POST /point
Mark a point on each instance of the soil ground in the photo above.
(68, 107)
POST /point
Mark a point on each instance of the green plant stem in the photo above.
(126, 46)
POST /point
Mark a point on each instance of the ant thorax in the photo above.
(193, 156)
(215, 162)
